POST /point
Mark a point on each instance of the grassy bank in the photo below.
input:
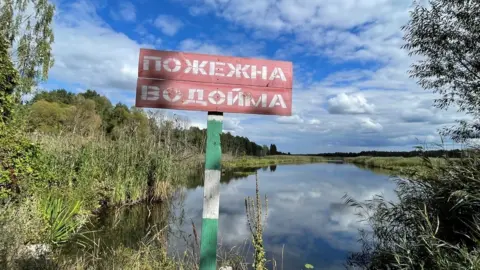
(230, 162)
(100, 171)
(51, 184)
(396, 164)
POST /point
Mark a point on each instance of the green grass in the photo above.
(248, 161)
(396, 164)
(99, 170)
(70, 176)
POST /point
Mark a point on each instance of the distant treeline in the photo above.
(90, 113)
(455, 153)
(235, 145)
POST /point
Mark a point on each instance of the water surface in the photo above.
(307, 220)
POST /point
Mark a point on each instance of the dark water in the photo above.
(307, 218)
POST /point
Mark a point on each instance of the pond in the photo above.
(307, 220)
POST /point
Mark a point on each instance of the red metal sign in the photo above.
(187, 81)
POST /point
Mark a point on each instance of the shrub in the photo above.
(433, 224)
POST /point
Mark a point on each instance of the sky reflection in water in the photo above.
(306, 213)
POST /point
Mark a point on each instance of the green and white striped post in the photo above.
(211, 192)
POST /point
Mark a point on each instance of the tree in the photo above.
(48, 117)
(446, 35)
(26, 27)
(273, 149)
(58, 95)
(83, 119)
(8, 81)
(265, 150)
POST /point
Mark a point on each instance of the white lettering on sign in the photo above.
(214, 68)
(167, 92)
(212, 97)
(191, 97)
(232, 99)
(158, 62)
(235, 97)
(263, 72)
(277, 73)
(150, 92)
(277, 100)
(166, 65)
(261, 99)
(238, 71)
(196, 67)
(217, 69)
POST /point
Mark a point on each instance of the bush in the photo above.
(433, 224)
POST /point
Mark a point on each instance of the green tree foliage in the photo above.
(455, 153)
(265, 150)
(26, 26)
(8, 81)
(273, 149)
(59, 96)
(102, 105)
(89, 112)
(445, 35)
(48, 117)
(18, 155)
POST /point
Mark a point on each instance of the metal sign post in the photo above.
(216, 84)
(211, 192)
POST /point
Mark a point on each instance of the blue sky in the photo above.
(351, 88)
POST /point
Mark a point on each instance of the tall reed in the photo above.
(132, 167)
(433, 224)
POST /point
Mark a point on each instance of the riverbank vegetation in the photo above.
(394, 164)
(64, 156)
(249, 161)
(434, 223)
(454, 153)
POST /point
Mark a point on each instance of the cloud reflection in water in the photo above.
(306, 212)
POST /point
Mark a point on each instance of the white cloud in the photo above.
(146, 36)
(126, 11)
(169, 25)
(368, 124)
(231, 125)
(191, 45)
(249, 49)
(417, 139)
(200, 125)
(91, 54)
(197, 10)
(314, 122)
(322, 25)
(475, 143)
(294, 119)
(426, 115)
(350, 104)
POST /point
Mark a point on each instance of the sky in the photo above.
(351, 88)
